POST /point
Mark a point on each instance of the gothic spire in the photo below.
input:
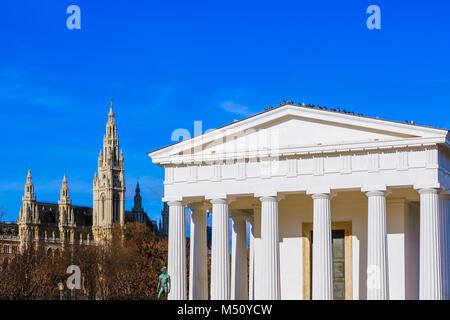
(138, 200)
(64, 191)
(29, 187)
(111, 112)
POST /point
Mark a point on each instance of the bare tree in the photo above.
(126, 268)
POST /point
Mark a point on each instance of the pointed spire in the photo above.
(111, 112)
(29, 177)
(64, 191)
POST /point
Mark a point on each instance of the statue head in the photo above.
(163, 269)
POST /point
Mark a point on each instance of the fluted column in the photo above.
(239, 280)
(445, 225)
(377, 255)
(220, 251)
(198, 264)
(251, 267)
(270, 249)
(177, 251)
(322, 285)
(430, 284)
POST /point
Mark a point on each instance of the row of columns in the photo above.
(434, 250)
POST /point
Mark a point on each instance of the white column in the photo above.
(198, 264)
(445, 225)
(251, 276)
(270, 249)
(220, 251)
(377, 255)
(430, 284)
(322, 285)
(239, 280)
(177, 251)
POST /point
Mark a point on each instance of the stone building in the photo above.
(62, 223)
(338, 206)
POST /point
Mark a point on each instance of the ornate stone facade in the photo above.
(109, 184)
(62, 223)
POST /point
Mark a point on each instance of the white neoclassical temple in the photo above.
(338, 206)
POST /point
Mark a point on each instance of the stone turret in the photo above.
(29, 215)
(29, 211)
(109, 185)
(65, 205)
(138, 200)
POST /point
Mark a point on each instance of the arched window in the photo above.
(116, 208)
(102, 207)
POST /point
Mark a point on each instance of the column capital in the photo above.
(323, 195)
(269, 199)
(430, 190)
(427, 185)
(175, 203)
(200, 206)
(377, 193)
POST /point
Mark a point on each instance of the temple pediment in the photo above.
(292, 129)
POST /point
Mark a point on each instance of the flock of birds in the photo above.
(313, 106)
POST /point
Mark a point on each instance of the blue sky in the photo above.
(170, 63)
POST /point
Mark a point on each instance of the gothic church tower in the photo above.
(29, 215)
(109, 184)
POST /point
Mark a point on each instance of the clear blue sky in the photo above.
(170, 63)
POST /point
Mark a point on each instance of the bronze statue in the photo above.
(163, 283)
